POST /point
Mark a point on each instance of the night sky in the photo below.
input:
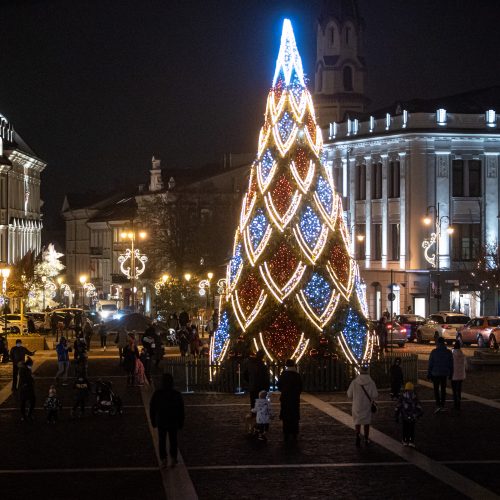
(97, 87)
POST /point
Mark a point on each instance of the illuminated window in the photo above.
(347, 78)
(360, 245)
(466, 241)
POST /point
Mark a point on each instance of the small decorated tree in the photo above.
(292, 282)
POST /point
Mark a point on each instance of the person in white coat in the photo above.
(362, 391)
(262, 409)
(458, 374)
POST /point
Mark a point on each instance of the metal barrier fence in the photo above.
(318, 375)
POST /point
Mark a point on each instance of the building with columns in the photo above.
(435, 158)
(340, 68)
(20, 204)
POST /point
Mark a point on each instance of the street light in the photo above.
(187, 276)
(434, 259)
(83, 280)
(137, 259)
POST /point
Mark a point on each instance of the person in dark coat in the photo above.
(256, 374)
(290, 386)
(18, 354)
(440, 367)
(396, 378)
(130, 357)
(183, 318)
(31, 325)
(166, 411)
(26, 389)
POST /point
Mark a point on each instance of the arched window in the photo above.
(331, 36)
(347, 77)
(319, 80)
(347, 36)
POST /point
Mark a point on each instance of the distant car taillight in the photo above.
(403, 330)
(446, 326)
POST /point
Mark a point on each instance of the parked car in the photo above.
(39, 320)
(483, 331)
(444, 324)
(396, 334)
(11, 323)
(411, 322)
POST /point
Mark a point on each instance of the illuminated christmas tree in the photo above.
(291, 280)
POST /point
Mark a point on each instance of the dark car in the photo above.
(411, 322)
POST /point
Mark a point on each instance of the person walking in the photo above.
(78, 323)
(290, 386)
(103, 335)
(82, 390)
(256, 375)
(67, 324)
(26, 389)
(439, 369)
(18, 354)
(166, 411)
(53, 325)
(459, 366)
(363, 391)
(62, 350)
(183, 319)
(130, 358)
(183, 341)
(80, 354)
(52, 405)
(262, 410)
(121, 341)
(87, 332)
(409, 409)
(381, 331)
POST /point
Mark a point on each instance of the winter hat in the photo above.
(409, 386)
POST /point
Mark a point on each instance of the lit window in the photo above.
(441, 116)
(491, 118)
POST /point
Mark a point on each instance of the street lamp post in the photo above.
(435, 258)
(5, 273)
(83, 280)
(137, 260)
(360, 237)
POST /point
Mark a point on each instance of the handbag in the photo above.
(373, 404)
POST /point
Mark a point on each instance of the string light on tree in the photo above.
(291, 276)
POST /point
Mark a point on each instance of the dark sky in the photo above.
(97, 87)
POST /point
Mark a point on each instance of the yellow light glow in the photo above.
(427, 220)
(450, 230)
(142, 235)
(210, 275)
(59, 280)
(83, 279)
(130, 235)
(5, 272)
(187, 276)
(123, 236)
(360, 237)
(165, 278)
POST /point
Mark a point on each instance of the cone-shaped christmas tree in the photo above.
(291, 279)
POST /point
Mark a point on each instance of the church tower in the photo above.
(156, 181)
(340, 65)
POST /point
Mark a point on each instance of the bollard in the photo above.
(238, 389)
(187, 391)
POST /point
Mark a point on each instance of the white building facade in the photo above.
(20, 204)
(393, 170)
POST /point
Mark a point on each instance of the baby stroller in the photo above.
(107, 401)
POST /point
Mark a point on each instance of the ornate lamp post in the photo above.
(137, 260)
(204, 286)
(83, 280)
(434, 240)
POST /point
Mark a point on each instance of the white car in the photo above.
(11, 323)
(444, 324)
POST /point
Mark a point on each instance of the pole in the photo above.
(132, 273)
(438, 263)
(392, 309)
